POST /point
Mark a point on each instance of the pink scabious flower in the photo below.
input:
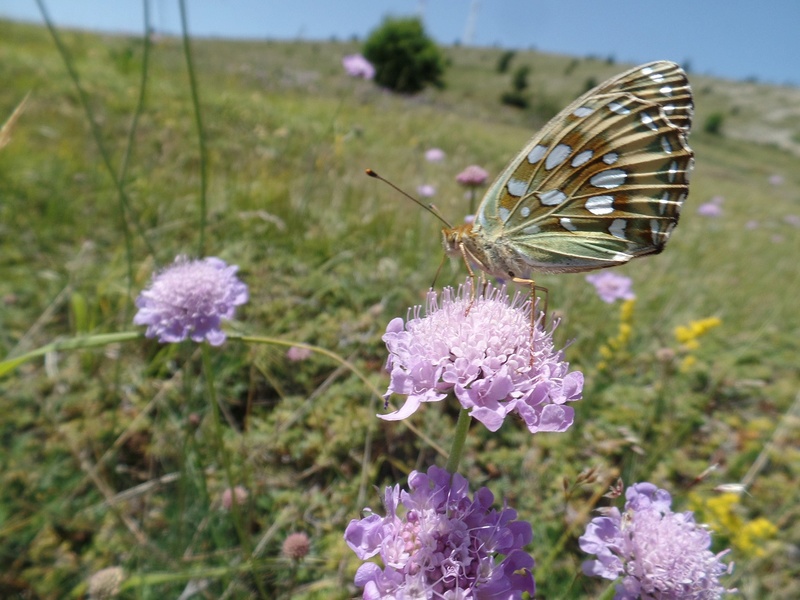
(660, 555)
(190, 298)
(611, 286)
(712, 208)
(358, 66)
(481, 352)
(297, 354)
(793, 220)
(708, 209)
(426, 190)
(434, 155)
(436, 542)
(472, 176)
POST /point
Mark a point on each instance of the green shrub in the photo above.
(404, 57)
(589, 84)
(505, 60)
(512, 98)
(519, 83)
(713, 123)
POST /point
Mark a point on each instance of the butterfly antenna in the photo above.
(431, 208)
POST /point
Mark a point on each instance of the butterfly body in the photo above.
(603, 182)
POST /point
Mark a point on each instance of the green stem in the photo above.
(226, 461)
(198, 118)
(261, 339)
(609, 591)
(89, 341)
(462, 427)
(125, 210)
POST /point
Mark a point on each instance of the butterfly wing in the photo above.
(602, 182)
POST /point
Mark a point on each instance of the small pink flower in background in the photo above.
(793, 220)
(297, 354)
(751, 224)
(426, 190)
(437, 542)
(358, 66)
(296, 546)
(239, 492)
(611, 286)
(776, 179)
(484, 357)
(709, 209)
(657, 553)
(434, 155)
(469, 219)
(190, 298)
(472, 176)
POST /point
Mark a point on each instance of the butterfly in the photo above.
(603, 182)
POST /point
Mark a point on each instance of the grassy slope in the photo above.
(330, 256)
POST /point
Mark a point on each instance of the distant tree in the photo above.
(590, 83)
(713, 123)
(519, 83)
(404, 57)
(505, 60)
(571, 66)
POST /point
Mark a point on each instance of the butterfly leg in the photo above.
(472, 278)
(534, 287)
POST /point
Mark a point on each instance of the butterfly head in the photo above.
(490, 256)
(453, 239)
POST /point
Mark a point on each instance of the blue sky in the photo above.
(735, 39)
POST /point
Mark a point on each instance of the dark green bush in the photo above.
(512, 98)
(519, 83)
(404, 57)
(505, 60)
(713, 123)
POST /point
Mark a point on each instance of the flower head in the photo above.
(358, 66)
(426, 190)
(472, 176)
(611, 286)
(434, 155)
(481, 351)
(190, 298)
(793, 220)
(238, 494)
(298, 353)
(660, 555)
(296, 546)
(436, 542)
(710, 209)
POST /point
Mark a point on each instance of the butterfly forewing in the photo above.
(601, 183)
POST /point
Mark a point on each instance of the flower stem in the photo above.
(226, 461)
(609, 592)
(462, 427)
